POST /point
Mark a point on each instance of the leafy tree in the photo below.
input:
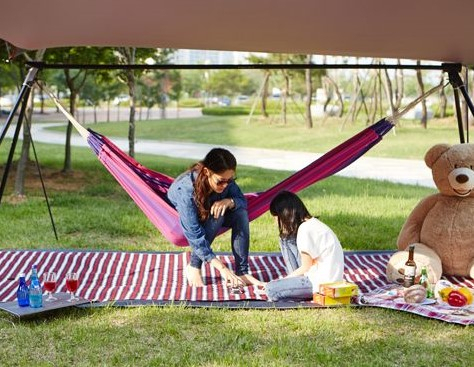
(131, 56)
(10, 78)
(18, 68)
(75, 79)
(176, 91)
(263, 90)
(193, 82)
(92, 93)
(225, 82)
(149, 84)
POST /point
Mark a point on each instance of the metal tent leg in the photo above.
(23, 99)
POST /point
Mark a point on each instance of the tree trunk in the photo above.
(399, 86)
(389, 92)
(22, 166)
(421, 87)
(363, 104)
(131, 120)
(309, 96)
(284, 101)
(19, 187)
(375, 98)
(67, 151)
(74, 84)
(42, 101)
(108, 110)
(381, 110)
(266, 82)
(338, 95)
(465, 109)
(443, 100)
(356, 89)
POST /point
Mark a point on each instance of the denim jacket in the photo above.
(181, 195)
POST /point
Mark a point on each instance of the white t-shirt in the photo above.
(320, 242)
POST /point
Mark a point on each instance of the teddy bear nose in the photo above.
(462, 178)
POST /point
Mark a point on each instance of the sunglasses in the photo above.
(222, 182)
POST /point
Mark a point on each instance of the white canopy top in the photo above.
(421, 29)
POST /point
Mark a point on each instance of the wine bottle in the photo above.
(22, 292)
(410, 268)
(35, 293)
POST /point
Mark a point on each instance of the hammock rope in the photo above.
(148, 188)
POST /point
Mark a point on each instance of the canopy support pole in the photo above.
(453, 71)
(23, 99)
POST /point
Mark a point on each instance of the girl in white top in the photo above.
(310, 249)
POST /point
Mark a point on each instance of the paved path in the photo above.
(404, 171)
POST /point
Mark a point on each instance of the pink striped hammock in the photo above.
(148, 188)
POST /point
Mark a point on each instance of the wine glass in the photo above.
(49, 283)
(72, 283)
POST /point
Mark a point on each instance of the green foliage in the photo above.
(225, 111)
(191, 103)
(449, 110)
(229, 83)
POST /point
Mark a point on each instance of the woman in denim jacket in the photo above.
(207, 199)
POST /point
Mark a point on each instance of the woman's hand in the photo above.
(219, 208)
(231, 280)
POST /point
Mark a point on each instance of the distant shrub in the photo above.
(449, 110)
(191, 103)
(226, 111)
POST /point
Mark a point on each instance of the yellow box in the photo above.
(339, 289)
(323, 300)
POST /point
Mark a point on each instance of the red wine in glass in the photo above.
(49, 285)
(72, 283)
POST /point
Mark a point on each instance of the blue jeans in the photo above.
(238, 221)
(291, 255)
(295, 288)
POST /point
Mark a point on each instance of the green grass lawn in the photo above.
(92, 212)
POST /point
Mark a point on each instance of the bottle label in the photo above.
(409, 278)
(410, 271)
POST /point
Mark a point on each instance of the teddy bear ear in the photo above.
(434, 153)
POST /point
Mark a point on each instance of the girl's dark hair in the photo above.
(290, 211)
(218, 160)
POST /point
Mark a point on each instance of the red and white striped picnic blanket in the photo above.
(107, 276)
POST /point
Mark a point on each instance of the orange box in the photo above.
(339, 289)
(323, 300)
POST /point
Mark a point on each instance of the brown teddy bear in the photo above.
(442, 225)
